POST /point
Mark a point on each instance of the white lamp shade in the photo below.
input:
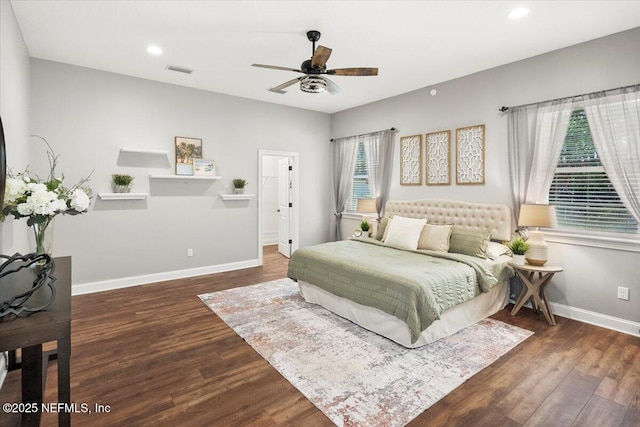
(366, 205)
(537, 216)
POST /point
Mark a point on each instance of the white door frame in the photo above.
(295, 197)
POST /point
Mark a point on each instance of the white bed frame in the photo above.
(496, 218)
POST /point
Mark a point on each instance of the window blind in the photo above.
(581, 191)
(360, 186)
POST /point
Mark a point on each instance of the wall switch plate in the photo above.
(623, 293)
(190, 252)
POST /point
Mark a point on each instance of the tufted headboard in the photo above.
(494, 217)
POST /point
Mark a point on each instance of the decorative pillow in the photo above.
(404, 233)
(469, 242)
(382, 228)
(495, 249)
(435, 237)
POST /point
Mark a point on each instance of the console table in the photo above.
(28, 333)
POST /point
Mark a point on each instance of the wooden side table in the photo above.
(534, 288)
(29, 332)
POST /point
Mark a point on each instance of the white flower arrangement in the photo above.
(40, 201)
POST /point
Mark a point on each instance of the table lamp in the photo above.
(366, 206)
(537, 216)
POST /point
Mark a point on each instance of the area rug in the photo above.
(355, 377)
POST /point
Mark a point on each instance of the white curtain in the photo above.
(535, 136)
(551, 124)
(378, 149)
(614, 120)
(520, 143)
(344, 164)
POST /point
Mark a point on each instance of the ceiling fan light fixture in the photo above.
(313, 84)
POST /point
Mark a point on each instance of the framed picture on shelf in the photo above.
(411, 160)
(470, 155)
(438, 162)
(204, 167)
(187, 149)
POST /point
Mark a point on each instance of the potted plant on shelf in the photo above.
(121, 183)
(238, 185)
(518, 247)
(365, 226)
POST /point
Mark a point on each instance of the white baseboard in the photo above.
(598, 319)
(270, 238)
(125, 282)
(592, 318)
(581, 315)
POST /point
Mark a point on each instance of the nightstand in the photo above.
(534, 288)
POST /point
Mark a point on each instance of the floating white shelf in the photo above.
(237, 196)
(186, 177)
(122, 196)
(144, 151)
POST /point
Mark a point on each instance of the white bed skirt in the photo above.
(450, 322)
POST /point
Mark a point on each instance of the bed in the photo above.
(413, 296)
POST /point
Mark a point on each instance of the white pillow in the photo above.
(404, 233)
(435, 237)
(495, 249)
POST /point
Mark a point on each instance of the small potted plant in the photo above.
(518, 247)
(238, 186)
(121, 183)
(365, 226)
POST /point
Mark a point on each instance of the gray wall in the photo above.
(14, 109)
(591, 275)
(88, 115)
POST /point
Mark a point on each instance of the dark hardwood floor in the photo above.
(157, 356)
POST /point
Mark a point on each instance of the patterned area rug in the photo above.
(355, 377)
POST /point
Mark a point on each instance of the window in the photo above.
(581, 191)
(360, 188)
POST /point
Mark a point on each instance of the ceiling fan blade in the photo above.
(353, 72)
(332, 88)
(279, 89)
(320, 57)
(275, 67)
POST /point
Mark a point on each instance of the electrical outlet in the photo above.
(623, 293)
(190, 252)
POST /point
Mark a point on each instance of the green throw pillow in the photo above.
(382, 226)
(469, 242)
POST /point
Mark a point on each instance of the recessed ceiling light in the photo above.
(518, 13)
(154, 50)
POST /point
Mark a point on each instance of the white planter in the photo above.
(518, 259)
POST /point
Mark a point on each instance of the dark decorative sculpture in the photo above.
(43, 267)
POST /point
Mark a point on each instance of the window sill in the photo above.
(358, 216)
(621, 242)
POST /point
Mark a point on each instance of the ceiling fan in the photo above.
(313, 69)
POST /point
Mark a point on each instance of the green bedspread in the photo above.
(414, 286)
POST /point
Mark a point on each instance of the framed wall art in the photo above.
(470, 155)
(204, 167)
(187, 149)
(438, 158)
(411, 160)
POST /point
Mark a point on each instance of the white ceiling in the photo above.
(414, 44)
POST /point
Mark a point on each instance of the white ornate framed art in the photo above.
(438, 158)
(470, 155)
(411, 160)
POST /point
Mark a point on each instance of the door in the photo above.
(284, 207)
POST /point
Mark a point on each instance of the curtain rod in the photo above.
(504, 109)
(365, 134)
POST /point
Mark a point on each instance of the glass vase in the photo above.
(43, 236)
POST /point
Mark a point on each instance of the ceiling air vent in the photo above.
(179, 69)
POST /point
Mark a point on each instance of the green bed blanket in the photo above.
(414, 286)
